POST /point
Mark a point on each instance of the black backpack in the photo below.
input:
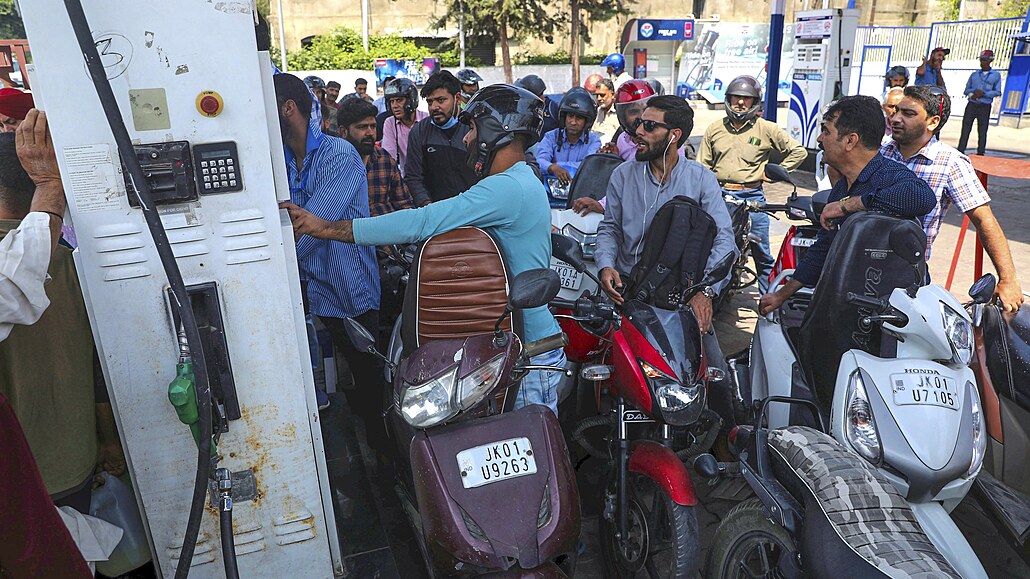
(676, 249)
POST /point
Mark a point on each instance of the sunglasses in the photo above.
(650, 125)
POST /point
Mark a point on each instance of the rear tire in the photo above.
(747, 544)
(662, 541)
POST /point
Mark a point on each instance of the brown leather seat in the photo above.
(458, 288)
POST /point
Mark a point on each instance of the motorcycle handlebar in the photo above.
(547, 344)
(563, 304)
(867, 301)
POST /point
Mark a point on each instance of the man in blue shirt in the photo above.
(929, 73)
(572, 141)
(509, 202)
(982, 88)
(340, 280)
(851, 132)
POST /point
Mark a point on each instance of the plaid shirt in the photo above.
(387, 191)
(951, 176)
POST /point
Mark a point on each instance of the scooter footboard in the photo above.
(498, 492)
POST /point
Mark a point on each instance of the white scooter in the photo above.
(885, 361)
(590, 180)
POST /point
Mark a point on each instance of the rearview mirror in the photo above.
(568, 250)
(777, 173)
(721, 270)
(533, 288)
(982, 289)
(907, 242)
(360, 337)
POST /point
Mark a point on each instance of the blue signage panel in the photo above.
(665, 30)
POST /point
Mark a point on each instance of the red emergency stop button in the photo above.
(209, 103)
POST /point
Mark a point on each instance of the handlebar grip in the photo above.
(867, 301)
(547, 344)
(563, 304)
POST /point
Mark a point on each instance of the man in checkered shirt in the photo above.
(915, 124)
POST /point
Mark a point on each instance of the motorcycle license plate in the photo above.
(802, 241)
(495, 462)
(925, 389)
(570, 278)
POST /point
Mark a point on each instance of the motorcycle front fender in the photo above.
(661, 465)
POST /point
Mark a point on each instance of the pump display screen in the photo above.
(217, 168)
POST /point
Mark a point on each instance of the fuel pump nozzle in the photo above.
(182, 392)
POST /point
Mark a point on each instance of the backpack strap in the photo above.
(698, 247)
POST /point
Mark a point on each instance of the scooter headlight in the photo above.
(680, 404)
(979, 431)
(960, 335)
(859, 423)
(471, 388)
(429, 403)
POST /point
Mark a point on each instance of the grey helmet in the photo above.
(533, 84)
(500, 111)
(747, 86)
(402, 87)
(468, 76)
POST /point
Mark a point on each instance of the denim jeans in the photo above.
(761, 253)
(541, 386)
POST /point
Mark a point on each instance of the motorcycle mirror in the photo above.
(819, 202)
(568, 250)
(360, 337)
(777, 173)
(907, 242)
(533, 288)
(982, 289)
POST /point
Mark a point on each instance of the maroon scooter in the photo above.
(487, 488)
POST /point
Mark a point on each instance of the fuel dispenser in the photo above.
(823, 44)
(171, 155)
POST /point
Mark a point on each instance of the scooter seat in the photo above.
(856, 522)
(1007, 341)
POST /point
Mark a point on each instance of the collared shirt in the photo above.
(556, 148)
(884, 185)
(987, 81)
(621, 78)
(343, 278)
(395, 138)
(607, 124)
(739, 156)
(928, 78)
(633, 198)
(512, 206)
(387, 191)
(949, 174)
(24, 259)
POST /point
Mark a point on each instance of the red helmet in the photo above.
(630, 100)
(591, 82)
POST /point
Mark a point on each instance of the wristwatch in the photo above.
(844, 208)
(708, 292)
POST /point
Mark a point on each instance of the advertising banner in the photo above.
(418, 71)
(721, 51)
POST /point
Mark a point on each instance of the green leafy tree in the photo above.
(1014, 8)
(11, 25)
(593, 11)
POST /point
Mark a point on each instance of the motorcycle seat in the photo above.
(856, 523)
(458, 287)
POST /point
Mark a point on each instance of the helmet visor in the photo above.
(629, 113)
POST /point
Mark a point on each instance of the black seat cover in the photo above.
(860, 261)
(1007, 341)
(591, 179)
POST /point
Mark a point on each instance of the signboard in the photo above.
(418, 71)
(814, 27)
(665, 30)
(725, 50)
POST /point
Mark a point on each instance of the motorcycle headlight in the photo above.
(680, 404)
(979, 431)
(588, 241)
(859, 423)
(429, 403)
(471, 388)
(960, 335)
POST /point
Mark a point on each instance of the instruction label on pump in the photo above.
(94, 179)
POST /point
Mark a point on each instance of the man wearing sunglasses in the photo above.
(737, 148)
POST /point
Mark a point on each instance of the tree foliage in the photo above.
(11, 25)
(1014, 8)
(342, 49)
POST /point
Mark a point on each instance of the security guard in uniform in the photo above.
(737, 148)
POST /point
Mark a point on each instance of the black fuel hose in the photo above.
(182, 301)
(228, 541)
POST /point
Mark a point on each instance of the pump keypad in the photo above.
(218, 168)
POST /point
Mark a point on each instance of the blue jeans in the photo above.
(541, 386)
(761, 253)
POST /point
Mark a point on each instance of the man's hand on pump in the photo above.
(610, 282)
(304, 223)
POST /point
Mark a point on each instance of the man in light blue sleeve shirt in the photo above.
(572, 141)
(982, 88)
(509, 202)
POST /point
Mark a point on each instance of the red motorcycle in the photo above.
(655, 369)
(797, 208)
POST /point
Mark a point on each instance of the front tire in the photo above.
(747, 544)
(662, 538)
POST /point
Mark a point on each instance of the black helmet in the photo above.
(468, 76)
(402, 87)
(501, 111)
(533, 84)
(314, 83)
(896, 72)
(578, 102)
(747, 86)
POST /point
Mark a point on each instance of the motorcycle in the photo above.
(798, 208)
(487, 488)
(871, 493)
(1001, 363)
(656, 370)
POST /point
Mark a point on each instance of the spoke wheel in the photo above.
(661, 539)
(747, 545)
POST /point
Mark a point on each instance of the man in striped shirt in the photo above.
(915, 122)
(340, 280)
